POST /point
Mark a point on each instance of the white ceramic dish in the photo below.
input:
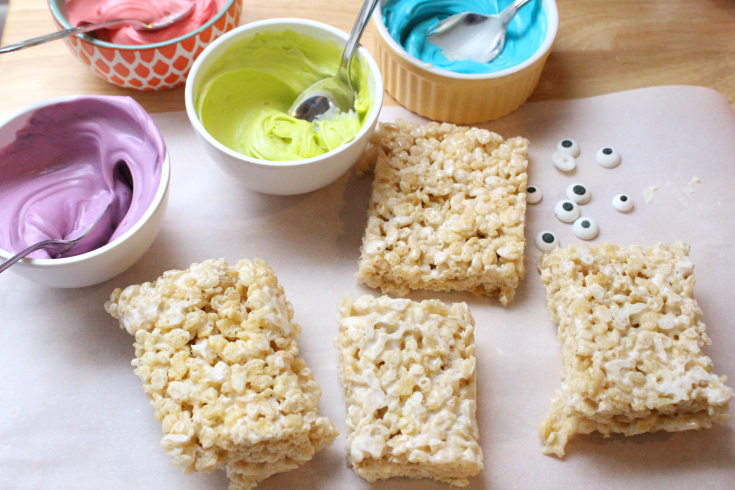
(105, 262)
(283, 178)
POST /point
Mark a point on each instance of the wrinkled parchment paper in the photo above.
(73, 414)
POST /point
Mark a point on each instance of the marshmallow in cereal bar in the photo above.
(408, 372)
(447, 210)
(632, 339)
(216, 350)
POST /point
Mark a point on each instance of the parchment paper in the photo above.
(73, 414)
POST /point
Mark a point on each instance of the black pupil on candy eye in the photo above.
(623, 198)
(585, 224)
(566, 143)
(531, 190)
(607, 151)
(548, 238)
(579, 190)
(567, 206)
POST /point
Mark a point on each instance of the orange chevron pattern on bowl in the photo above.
(156, 68)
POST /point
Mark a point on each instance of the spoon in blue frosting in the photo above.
(473, 36)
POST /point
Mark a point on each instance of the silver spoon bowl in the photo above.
(334, 92)
(55, 247)
(136, 24)
(473, 36)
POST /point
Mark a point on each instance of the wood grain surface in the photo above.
(602, 47)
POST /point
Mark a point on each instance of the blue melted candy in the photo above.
(408, 21)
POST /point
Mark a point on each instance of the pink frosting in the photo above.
(149, 11)
(62, 171)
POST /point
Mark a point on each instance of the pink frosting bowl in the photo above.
(157, 66)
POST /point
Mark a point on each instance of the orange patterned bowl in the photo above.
(151, 66)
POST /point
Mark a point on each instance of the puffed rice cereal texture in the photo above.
(408, 372)
(447, 211)
(215, 348)
(632, 339)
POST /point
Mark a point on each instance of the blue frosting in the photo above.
(408, 21)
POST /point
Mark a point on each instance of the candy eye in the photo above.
(563, 161)
(622, 203)
(566, 211)
(569, 146)
(546, 241)
(578, 193)
(533, 195)
(608, 157)
(585, 228)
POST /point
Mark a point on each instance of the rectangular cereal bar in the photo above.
(215, 348)
(447, 211)
(408, 371)
(632, 339)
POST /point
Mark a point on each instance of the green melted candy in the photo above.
(246, 94)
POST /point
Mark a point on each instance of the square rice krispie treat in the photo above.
(447, 211)
(408, 371)
(216, 350)
(632, 340)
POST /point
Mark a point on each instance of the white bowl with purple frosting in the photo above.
(62, 162)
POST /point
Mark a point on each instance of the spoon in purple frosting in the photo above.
(55, 247)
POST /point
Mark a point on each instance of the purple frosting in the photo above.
(70, 161)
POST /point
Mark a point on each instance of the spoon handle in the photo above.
(61, 34)
(59, 246)
(362, 20)
(20, 255)
(510, 11)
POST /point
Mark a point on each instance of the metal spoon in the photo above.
(136, 24)
(473, 36)
(335, 91)
(56, 247)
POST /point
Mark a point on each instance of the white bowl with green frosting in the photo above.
(239, 91)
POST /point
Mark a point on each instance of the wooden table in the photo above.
(602, 47)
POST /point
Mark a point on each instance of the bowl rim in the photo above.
(61, 20)
(158, 198)
(283, 23)
(552, 16)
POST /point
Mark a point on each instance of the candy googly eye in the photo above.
(566, 211)
(569, 146)
(579, 193)
(546, 241)
(585, 228)
(608, 157)
(622, 203)
(533, 195)
(563, 161)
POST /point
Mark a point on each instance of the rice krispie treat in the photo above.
(408, 371)
(632, 340)
(447, 211)
(216, 350)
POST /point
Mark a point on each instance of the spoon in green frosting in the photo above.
(334, 92)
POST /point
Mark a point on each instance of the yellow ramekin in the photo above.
(458, 98)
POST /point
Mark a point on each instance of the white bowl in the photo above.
(283, 178)
(100, 264)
